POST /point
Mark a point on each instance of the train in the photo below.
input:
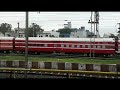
(88, 46)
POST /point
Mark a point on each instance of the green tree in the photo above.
(5, 27)
(112, 36)
(64, 31)
(33, 29)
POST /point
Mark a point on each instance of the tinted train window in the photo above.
(83, 46)
(98, 46)
(72, 46)
(103, 46)
(89, 46)
(41, 45)
(45, 45)
(55, 45)
(62, 45)
(94, 46)
(67, 46)
(78, 46)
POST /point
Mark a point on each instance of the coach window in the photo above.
(67, 46)
(41, 45)
(45, 45)
(94, 46)
(98, 46)
(78, 46)
(72, 46)
(103, 46)
(83, 46)
(62, 45)
(55, 45)
(89, 46)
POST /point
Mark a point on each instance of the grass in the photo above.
(72, 60)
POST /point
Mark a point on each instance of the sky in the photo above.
(55, 20)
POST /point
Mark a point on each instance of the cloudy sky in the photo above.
(55, 20)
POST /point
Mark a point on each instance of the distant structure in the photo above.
(106, 35)
(48, 34)
(19, 32)
(79, 33)
(1, 34)
(16, 33)
(68, 25)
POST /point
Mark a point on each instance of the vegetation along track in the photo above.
(56, 55)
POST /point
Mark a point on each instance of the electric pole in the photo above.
(91, 22)
(18, 29)
(97, 23)
(33, 29)
(96, 28)
(26, 43)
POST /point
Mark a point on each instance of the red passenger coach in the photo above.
(37, 44)
(118, 46)
(6, 43)
(67, 45)
(20, 44)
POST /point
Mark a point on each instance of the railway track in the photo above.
(52, 75)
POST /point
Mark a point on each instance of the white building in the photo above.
(20, 32)
(1, 34)
(48, 34)
(106, 35)
(79, 33)
(67, 25)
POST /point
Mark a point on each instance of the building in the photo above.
(67, 25)
(48, 34)
(106, 35)
(89, 34)
(79, 33)
(16, 33)
(19, 33)
(10, 34)
(1, 34)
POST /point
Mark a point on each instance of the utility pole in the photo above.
(97, 23)
(33, 29)
(18, 29)
(26, 42)
(94, 46)
(90, 21)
